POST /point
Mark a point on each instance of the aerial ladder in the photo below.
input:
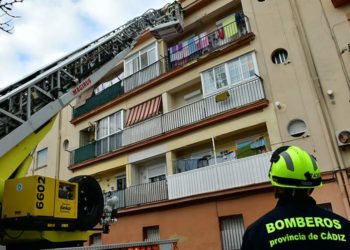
(38, 211)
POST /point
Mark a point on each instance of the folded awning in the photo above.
(144, 111)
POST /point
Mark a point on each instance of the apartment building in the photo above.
(182, 129)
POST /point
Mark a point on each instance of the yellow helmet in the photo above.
(293, 167)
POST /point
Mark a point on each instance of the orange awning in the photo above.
(143, 111)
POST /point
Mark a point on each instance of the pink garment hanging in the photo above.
(204, 41)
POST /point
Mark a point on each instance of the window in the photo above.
(141, 59)
(151, 233)
(230, 73)
(157, 178)
(108, 136)
(121, 182)
(231, 229)
(41, 158)
(110, 125)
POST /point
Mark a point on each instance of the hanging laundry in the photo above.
(172, 53)
(204, 41)
(192, 45)
(220, 33)
(185, 50)
(230, 27)
(179, 53)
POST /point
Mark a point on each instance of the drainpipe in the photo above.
(343, 182)
(58, 154)
(214, 149)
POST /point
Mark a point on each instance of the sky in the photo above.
(49, 29)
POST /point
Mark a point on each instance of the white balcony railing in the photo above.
(143, 76)
(239, 96)
(230, 174)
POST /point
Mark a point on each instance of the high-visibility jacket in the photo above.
(298, 224)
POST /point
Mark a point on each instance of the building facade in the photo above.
(181, 130)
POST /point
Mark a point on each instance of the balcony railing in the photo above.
(144, 75)
(240, 95)
(141, 194)
(205, 43)
(103, 97)
(221, 176)
(230, 174)
(120, 194)
(195, 48)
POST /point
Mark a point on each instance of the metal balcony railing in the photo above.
(196, 47)
(230, 174)
(103, 97)
(240, 95)
(144, 75)
(120, 194)
(140, 194)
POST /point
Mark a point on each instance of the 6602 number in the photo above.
(40, 188)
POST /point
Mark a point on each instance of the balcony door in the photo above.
(109, 133)
(153, 171)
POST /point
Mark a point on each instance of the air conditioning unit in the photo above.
(343, 137)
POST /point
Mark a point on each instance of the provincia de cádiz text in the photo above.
(329, 236)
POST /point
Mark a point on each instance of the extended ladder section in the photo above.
(28, 104)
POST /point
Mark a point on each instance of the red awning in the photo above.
(143, 111)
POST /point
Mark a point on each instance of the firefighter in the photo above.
(296, 222)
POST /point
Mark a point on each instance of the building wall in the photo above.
(315, 35)
(197, 225)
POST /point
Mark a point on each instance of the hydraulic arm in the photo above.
(38, 209)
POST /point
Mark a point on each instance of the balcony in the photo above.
(141, 194)
(95, 101)
(240, 95)
(221, 176)
(207, 43)
(230, 174)
(195, 49)
(144, 75)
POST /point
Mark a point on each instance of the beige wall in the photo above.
(276, 19)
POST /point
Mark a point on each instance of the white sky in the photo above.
(49, 29)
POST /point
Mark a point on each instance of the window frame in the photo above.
(122, 178)
(122, 111)
(235, 245)
(216, 90)
(137, 55)
(145, 233)
(38, 157)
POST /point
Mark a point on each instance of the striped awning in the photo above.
(143, 111)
